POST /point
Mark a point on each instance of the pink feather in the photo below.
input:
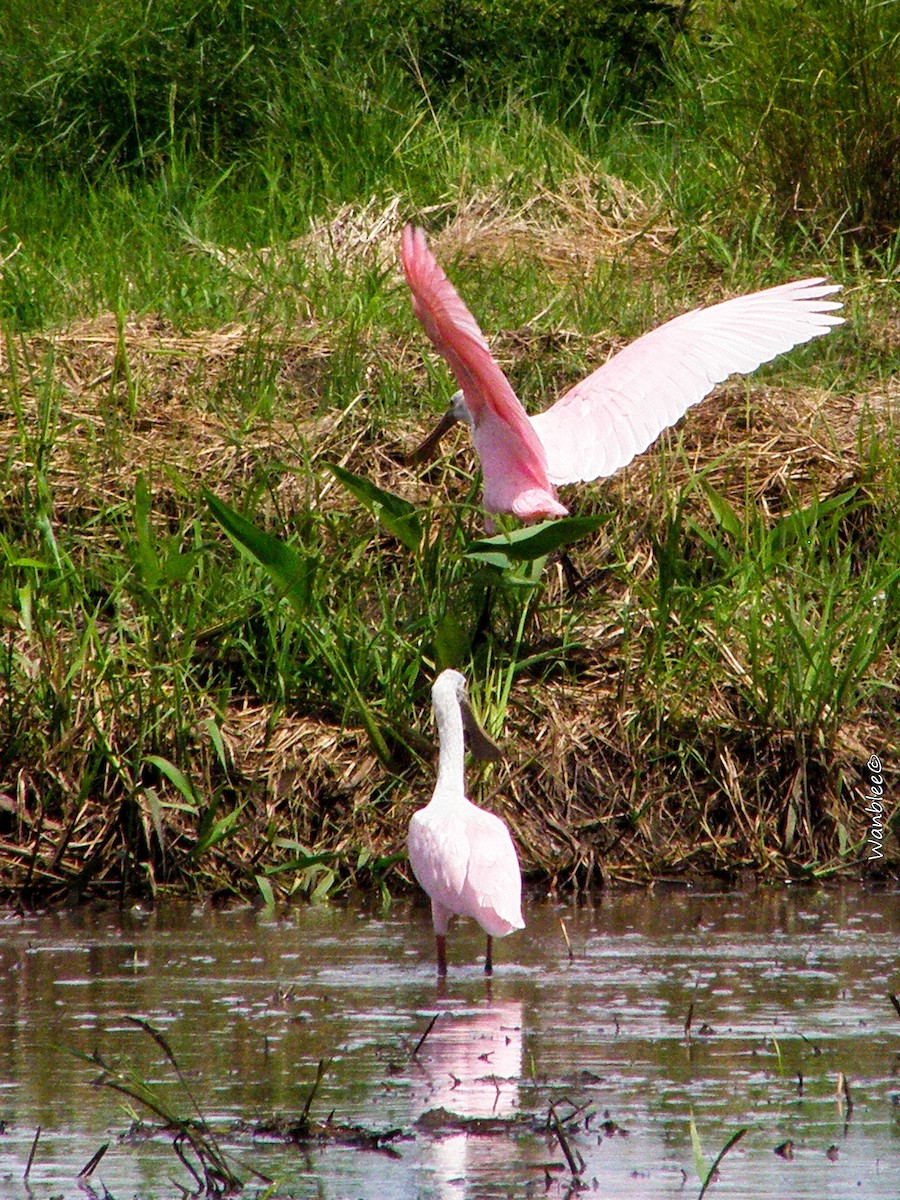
(601, 423)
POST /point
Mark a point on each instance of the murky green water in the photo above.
(781, 985)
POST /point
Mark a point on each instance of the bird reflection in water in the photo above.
(469, 1069)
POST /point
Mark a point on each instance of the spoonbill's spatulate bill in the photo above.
(462, 856)
(600, 424)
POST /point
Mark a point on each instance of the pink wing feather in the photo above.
(512, 457)
(439, 856)
(604, 421)
(493, 891)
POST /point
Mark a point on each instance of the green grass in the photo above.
(796, 118)
(216, 651)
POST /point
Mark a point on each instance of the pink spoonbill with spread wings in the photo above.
(601, 423)
(462, 855)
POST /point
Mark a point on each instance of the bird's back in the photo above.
(465, 860)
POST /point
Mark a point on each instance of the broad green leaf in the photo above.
(490, 558)
(535, 541)
(175, 776)
(790, 826)
(211, 833)
(290, 572)
(15, 560)
(385, 862)
(284, 843)
(148, 561)
(843, 839)
(699, 1161)
(398, 516)
(302, 863)
(151, 796)
(265, 890)
(324, 886)
(43, 523)
(215, 736)
(27, 562)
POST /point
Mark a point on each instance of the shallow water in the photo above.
(779, 984)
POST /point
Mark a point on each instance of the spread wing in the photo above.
(614, 414)
(492, 403)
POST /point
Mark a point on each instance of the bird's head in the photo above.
(450, 687)
(460, 409)
(457, 412)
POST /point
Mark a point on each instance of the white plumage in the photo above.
(601, 423)
(462, 855)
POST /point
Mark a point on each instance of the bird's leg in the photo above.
(489, 957)
(572, 575)
(441, 953)
(483, 623)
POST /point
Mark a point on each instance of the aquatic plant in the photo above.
(707, 1174)
(194, 1144)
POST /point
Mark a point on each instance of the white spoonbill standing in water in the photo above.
(600, 424)
(462, 855)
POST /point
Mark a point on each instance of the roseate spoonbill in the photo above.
(462, 856)
(601, 423)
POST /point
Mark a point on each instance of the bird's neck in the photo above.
(451, 776)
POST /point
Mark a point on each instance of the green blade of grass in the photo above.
(176, 777)
(699, 1161)
(729, 1145)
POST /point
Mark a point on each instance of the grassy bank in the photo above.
(211, 304)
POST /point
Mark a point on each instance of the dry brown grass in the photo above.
(772, 444)
(587, 220)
